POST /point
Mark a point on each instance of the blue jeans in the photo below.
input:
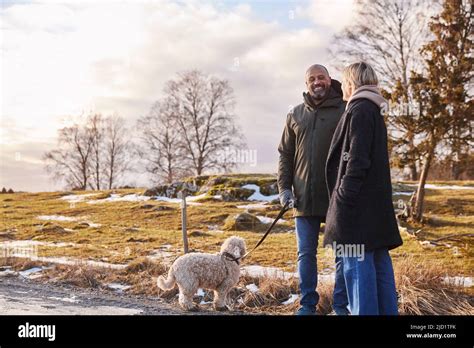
(370, 284)
(340, 303)
(307, 233)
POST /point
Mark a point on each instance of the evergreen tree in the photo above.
(443, 90)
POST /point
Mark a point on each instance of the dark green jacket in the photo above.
(304, 149)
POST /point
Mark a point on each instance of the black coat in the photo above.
(358, 180)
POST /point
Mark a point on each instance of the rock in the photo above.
(132, 229)
(140, 240)
(269, 189)
(211, 183)
(172, 190)
(51, 227)
(242, 221)
(81, 225)
(156, 191)
(146, 206)
(198, 234)
(231, 193)
(162, 208)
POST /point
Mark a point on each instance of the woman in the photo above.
(361, 220)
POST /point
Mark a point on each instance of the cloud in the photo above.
(329, 14)
(115, 57)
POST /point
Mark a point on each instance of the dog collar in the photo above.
(231, 257)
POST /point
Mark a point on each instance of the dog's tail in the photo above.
(166, 284)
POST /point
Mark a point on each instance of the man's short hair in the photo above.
(319, 66)
(360, 74)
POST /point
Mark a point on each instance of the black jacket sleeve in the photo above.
(287, 154)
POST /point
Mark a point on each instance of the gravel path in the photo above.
(20, 296)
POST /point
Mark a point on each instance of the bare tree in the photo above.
(71, 160)
(202, 106)
(95, 123)
(161, 138)
(92, 154)
(388, 34)
(117, 147)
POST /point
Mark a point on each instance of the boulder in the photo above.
(242, 222)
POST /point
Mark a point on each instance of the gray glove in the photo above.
(287, 196)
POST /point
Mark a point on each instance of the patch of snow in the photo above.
(458, 281)
(257, 196)
(118, 287)
(161, 255)
(195, 198)
(6, 271)
(273, 272)
(57, 218)
(118, 198)
(27, 248)
(217, 231)
(427, 243)
(31, 273)
(199, 292)
(254, 206)
(77, 198)
(167, 199)
(176, 200)
(35, 305)
(402, 193)
(71, 261)
(71, 299)
(444, 187)
(268, 220)
(292, 299)
(252, 288)
(11, 244)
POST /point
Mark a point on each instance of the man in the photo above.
(303, 152)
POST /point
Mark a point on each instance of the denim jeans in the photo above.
(307, 233)
(370, 284)
(340, 303)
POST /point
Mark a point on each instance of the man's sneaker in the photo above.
(306, 311)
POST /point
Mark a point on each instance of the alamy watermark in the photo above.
(238, 156)
(27, 251)
(348, 250)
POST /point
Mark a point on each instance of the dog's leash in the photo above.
(282, 212)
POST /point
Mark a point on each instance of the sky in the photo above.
(63, 59)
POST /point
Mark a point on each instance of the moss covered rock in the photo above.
(242, 222)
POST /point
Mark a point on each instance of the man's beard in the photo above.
(319, 93)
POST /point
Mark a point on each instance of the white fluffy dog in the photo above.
(218, 272)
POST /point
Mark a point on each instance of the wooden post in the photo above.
(183, 221)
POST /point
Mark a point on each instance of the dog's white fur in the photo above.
(207, 271)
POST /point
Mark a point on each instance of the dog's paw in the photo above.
(194, 309)
(221, 309)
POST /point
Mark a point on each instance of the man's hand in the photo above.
(286, 196)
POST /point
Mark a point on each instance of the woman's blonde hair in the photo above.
(360, 74)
